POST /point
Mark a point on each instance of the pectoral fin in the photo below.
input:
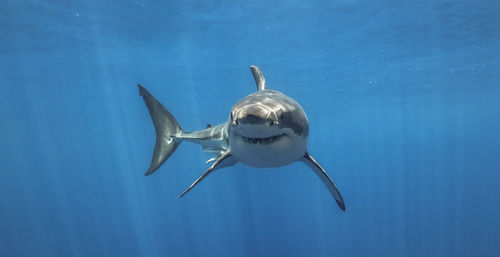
(224, 160)
(321, 173)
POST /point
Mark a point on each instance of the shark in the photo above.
(264, 129)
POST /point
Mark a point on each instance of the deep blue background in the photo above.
(402, 99)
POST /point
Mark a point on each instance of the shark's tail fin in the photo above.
(166, 128)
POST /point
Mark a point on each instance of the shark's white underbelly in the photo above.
(284, 151)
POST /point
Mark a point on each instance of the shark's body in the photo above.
(264, 129)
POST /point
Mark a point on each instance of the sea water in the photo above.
(402, 99)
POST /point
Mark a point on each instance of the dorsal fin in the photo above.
(259, 78)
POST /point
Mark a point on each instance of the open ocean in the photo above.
(403, 101)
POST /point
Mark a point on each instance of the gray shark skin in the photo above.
(264, 129)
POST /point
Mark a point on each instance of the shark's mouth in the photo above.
(263, 141)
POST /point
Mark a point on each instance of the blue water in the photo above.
(402, 100)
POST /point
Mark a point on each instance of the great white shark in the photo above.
(264, 129)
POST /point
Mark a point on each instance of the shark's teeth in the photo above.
(266, 140)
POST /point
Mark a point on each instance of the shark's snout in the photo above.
(255, 114)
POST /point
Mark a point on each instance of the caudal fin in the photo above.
(166, 127)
